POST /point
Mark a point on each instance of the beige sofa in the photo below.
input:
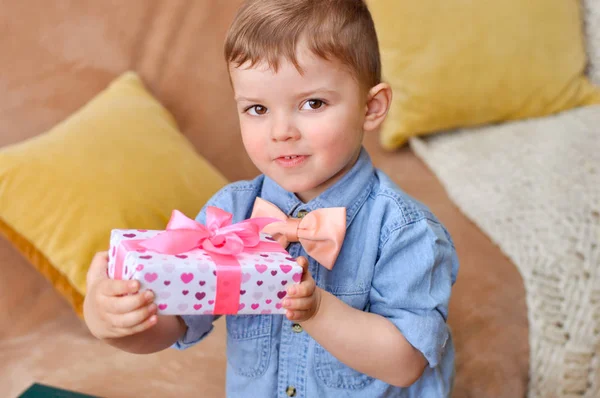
(56, 56)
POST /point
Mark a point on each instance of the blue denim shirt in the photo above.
(397, 261)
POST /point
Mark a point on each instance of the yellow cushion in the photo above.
(119, 162)
(462, 62)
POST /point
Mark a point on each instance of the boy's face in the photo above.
(303, 131)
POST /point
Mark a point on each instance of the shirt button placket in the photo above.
(288, 350)
(291, 391)
(302, 213)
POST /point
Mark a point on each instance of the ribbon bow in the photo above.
(219, 236)
(321, 232)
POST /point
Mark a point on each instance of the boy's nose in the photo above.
(284, 130)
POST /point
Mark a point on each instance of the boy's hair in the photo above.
(267, 30)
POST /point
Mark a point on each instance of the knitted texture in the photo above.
(533, 187)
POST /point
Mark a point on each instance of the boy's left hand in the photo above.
(302, 300)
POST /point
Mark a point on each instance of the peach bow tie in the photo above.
(321, 232)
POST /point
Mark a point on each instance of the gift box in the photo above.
(220, 268)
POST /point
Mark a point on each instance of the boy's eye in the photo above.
(257, 110)
(313, 104)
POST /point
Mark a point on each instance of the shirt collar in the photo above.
(350, 191)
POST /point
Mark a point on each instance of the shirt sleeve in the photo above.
(198, 327)
(411, 286)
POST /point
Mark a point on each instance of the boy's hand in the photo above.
(113, 308)
(302, 300)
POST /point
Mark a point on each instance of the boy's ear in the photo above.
(379, 100)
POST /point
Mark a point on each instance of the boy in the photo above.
(369, 316)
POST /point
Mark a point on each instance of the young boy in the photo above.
(370, 319)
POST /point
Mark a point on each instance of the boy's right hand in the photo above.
(115, 308)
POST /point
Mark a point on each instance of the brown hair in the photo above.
(266, 30)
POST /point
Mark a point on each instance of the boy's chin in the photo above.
(304, 191)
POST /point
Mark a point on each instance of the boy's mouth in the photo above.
(291, 160)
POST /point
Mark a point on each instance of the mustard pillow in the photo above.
(119, 162)
(463, 63)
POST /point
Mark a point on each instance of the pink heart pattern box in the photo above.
(188, 283)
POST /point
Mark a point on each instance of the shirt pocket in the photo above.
(329, 370)
(249, 344)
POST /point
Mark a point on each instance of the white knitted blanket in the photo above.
(534, 187)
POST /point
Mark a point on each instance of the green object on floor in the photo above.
(40, 390)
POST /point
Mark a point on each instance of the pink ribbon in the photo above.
(221, 239)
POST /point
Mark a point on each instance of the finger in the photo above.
(98, 268)
(112, 288)
(303, 262)
(131, 319)
(145, 325)
(295, 315)
(302, 304)
(125, 304)
(302, 289)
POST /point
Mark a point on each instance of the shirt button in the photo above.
(291, 391)
(301, 213)
(296, 328)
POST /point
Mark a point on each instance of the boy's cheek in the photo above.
(253, 137)
(253, 147)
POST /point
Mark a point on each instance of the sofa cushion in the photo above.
(464, 63)
(118, 162)
(591, 9)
